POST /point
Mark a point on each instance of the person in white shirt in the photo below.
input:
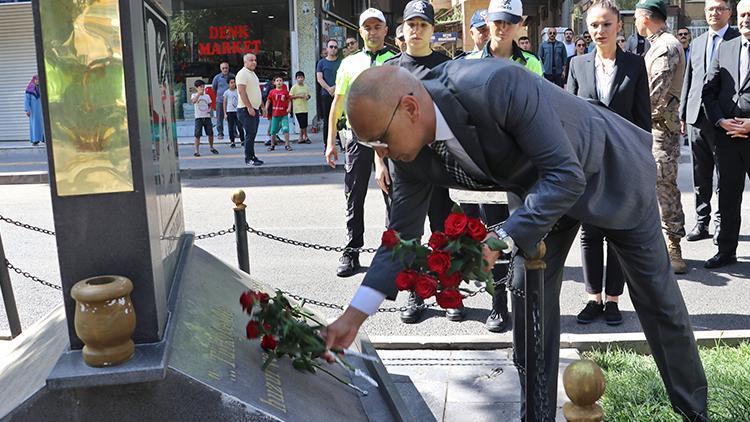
(202, 105)
(570, 45)
(230, 113)
(249, 104)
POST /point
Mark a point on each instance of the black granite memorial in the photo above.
(106, 75)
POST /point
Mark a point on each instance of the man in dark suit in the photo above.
(726, 96)
(700, 131)
(570, 161)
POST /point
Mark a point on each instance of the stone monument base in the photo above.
(211, 370)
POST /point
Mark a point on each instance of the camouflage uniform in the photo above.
(665, 65)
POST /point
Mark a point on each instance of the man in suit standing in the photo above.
(726, 96)
(665, 66)
(700, 131)
(570, 161)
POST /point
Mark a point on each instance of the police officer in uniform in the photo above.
(479, 32)
(665, 65)
(358, 160)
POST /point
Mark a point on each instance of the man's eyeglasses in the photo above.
(717, 9)
(379, 142)
(683, 34)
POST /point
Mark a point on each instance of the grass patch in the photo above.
(635, 391)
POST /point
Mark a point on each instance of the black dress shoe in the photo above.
(456, 315)
(699, 232)
(414, 308)
(592, 311)
(499, 319)
(720, 260)
(349, 265)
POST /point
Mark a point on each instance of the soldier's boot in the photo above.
(675, 256)
(499, 319)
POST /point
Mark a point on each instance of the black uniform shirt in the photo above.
(418, 66)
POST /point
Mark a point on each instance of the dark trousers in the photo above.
(554, 78)
(358, 163)
(234, 126)
(440, 206)
(657, 300)
(220, 118)
(250, 125)
(592, 254)
(490, 214)
(733, 158)
(326, 101)
(702, 143)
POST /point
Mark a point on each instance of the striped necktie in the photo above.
(454, 170)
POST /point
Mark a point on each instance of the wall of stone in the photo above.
(307, 46)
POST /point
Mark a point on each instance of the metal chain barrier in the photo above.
(31, 277)
(309, 245)
(26, 226)
(216, 234)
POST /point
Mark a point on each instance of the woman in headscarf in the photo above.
(33, 108)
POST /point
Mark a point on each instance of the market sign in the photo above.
(444, 36)
(228, 40)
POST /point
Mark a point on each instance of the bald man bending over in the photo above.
(571, 161)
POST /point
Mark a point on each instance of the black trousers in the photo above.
(326, 101)
(733, 157)
(250, 125)
(490, 214)
(358, 163)
(657, 300)
(592, 255)
(702, 136)
(554, 78)
(441, 205)
(234, 126)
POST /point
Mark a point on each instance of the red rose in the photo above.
(268, 342)
(439, 261)
(437, 240)
(450, 299)
(455, 224)
(389, 239)
(266, 327)
(425, 287)
(451, 281)
(476, 229)
(246, 300)
(406, 279)
(252, 330)
(262, 297)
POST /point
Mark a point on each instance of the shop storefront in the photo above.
(207, 33)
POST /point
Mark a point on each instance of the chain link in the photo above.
(31, 277)
(309, 245)
(26, 226)
(216, 234)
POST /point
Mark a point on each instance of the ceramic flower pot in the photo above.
(105, 319)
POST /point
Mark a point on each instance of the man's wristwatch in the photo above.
(505, 237)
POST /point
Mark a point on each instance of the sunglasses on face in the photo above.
(683, 34)
(333, 46)
(351, 43)
(580, 45)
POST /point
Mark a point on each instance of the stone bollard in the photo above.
(584, 384)
(240, 224)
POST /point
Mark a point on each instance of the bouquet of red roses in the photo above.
(293, 331)
(450, 257)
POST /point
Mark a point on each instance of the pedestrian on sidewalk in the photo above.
(33, 107)
(249, 106)
(220, 84)
(300, 95)
(202, 106)
(230, 112)
(665, 65)
(595, 76)
(278, 106)
(325, 73)
(553, 55)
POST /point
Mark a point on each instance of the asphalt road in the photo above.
(311, 208)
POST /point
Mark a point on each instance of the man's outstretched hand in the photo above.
(340, 334)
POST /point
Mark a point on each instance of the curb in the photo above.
(43, 177)
(582, 342)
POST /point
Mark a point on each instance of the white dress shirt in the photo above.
(713, 42)
(605, 72)
(744, 60)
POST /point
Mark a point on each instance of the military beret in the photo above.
(657, 6)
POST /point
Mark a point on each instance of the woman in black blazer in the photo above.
(618, 80)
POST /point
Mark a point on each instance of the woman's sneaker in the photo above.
(612, 315)
(591, 312)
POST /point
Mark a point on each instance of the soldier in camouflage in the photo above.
(665, 65)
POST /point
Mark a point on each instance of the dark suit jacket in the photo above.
(695, 75)
(629, 94)
(563, 155)
(724, 95)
